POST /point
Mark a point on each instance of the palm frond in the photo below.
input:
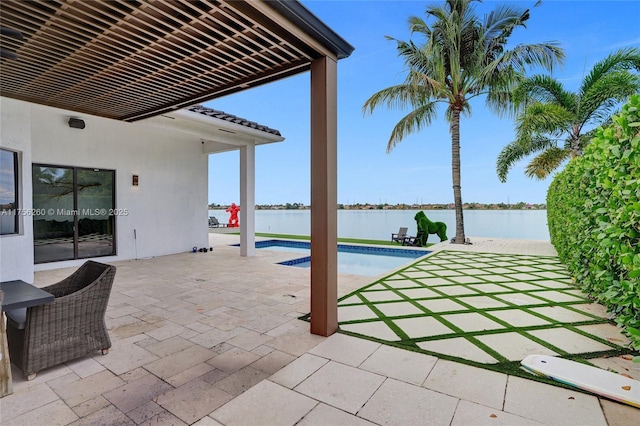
(546, 162)
(605, 95)
(498, 26)
(519, 149)
(602, 114)
(438, 13)
(414, 121)
(545, 89)
(418, 25)
(500, 102)
(621, 60)
(394, 97)
(427, 87)
(541, 118)
(524, 56)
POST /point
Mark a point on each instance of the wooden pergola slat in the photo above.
(131, 60)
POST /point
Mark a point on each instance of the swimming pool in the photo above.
(357, 260)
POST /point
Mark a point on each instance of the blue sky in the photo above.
(419, 168)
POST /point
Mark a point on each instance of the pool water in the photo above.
(357, 260)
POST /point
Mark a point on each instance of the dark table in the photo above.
(18, 294)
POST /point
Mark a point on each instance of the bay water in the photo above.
(380, 224)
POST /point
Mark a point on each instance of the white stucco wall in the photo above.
(168, 210)
(16, 251)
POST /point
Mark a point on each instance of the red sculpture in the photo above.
(233, 218)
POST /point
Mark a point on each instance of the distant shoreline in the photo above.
(466, 206)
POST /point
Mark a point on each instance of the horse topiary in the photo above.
(427, 227)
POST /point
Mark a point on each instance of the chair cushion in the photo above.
(17, 318)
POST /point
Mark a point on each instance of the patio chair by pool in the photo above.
(213, 223)
(70, 327)
(413, 241)
(400, 236)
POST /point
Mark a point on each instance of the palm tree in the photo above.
(552, 120)
(462, 57)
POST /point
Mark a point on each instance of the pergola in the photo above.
(130, 60)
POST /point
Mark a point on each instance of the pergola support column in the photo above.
(324, 188)
(247, 200)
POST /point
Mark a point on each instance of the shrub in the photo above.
(593, 211)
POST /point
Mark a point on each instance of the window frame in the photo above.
(16, 190)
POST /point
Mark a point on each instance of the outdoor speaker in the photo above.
(76, 123)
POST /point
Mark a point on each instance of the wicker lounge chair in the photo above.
(70, 327)
(399, 237)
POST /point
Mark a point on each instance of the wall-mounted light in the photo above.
(135, 180)
(76, 123)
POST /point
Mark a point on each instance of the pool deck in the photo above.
(214, 339)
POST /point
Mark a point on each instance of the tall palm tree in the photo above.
(552, 121)
(461, 57)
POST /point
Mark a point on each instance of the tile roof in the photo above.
(221, 115)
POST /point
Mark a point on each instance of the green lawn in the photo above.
(340, 240)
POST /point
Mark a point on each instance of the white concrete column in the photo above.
(324, 197)
(248, 200)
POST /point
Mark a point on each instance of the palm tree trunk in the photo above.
(455, 172)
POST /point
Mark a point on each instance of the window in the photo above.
(75, 213)
(8, 192)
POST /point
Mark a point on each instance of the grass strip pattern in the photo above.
(483, 309)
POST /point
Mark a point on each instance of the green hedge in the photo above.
(593, 211)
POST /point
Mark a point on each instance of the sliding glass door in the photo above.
(72, 213)
(95, 197)
(53, 225)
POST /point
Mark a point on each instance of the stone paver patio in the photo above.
(213, 338)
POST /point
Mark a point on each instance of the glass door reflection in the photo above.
(53, 225)
(95, 212)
